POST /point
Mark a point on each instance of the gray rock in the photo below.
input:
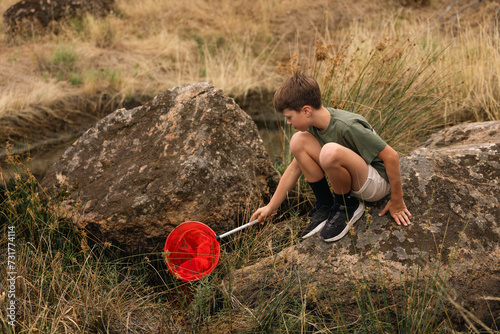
(29, 16)
(190, 154)
(465, 133)
(451, 248)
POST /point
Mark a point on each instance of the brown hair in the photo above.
(296, 92)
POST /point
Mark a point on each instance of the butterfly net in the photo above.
(191, 251)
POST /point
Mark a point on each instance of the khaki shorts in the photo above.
(375, 187)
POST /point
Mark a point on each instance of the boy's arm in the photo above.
(396, 205)
(286, 184)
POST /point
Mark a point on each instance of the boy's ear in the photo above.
(307, 109)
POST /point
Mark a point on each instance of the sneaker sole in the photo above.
(355, 217)
(315, 230)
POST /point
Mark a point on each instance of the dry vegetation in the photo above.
(60, 83)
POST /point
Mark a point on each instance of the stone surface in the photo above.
(451, 187)
(190, 154)
(29, 16)
(465, 133)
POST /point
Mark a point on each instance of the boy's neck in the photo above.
(321, 118)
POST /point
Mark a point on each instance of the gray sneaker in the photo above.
(340, 221)
(317, 219)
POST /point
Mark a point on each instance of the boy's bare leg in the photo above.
(345, 169)
(306, 151)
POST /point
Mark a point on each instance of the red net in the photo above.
(191, 251)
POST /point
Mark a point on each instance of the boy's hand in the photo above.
(263, 214)
(398, 211)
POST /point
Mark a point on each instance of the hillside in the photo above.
(57, 82)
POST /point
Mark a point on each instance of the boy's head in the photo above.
(296, 92)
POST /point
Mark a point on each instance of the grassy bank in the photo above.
(68, 282)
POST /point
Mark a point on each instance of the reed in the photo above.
(399, 94)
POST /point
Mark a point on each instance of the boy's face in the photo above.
(298, 119)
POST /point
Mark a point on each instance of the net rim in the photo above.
(167, 251)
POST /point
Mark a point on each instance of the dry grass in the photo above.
(65, 282)
(474, 55)
(93, 65)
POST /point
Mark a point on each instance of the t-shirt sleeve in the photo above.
(365, 141)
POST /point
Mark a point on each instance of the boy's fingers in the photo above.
(397, 221)
(400, 217)
(384, 210)
(407, 216)
(403, 217)
(261, 217)
(256, 215)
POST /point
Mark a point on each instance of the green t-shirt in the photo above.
(354, 132)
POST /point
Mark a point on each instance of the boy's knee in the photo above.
(329, 154)
(299, 142)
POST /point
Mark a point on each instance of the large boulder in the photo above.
(29, 16)
(450, 253)
(190, 154)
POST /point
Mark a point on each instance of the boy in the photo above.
(359, 164)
